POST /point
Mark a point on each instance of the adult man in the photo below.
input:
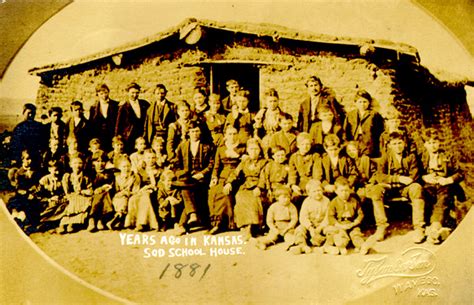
(318, 96)
(29, 134)
(131, 117)
(159, 116)
(103, 116)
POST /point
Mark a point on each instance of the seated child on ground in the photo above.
(170, 203)
(344, 218)
(281, 219)
(313, 219)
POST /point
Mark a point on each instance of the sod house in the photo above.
(208, 53)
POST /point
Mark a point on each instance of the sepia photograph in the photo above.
(204, 152)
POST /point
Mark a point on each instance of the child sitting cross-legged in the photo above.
(282, 217)
(344, 217)
(313, 219)
(170, 203)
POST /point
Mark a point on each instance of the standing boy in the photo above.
(103, 116)
(131, 117)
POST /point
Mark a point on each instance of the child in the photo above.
(94, 150)
(78, 190)
(57, 129)
(137, 158)
(215, 120)
(169, 203)
(365, 169)
(117, 153)
(285, 137)
(158, 147)
(267, 119)
(51, 193)
(441, 184)
(302, 164)
(364, 125)
(55, 153)
(23, 205)
(281, 219)
(313, 219)
(248, 210)
(275, 173)
(344, 218)
(240, 116)
(200, 103)
(393, 124)
(78, 126)
(326, 125)
(178, 131)
(126, 185)
(102, 183)
(160, 114)
(333, 165)
(398, 174)
(232, 87)
(227, 158)
(141, 213)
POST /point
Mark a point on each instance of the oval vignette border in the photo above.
(29, 277)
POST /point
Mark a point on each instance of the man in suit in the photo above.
(103, 117)
(193, 165)
(78, 127)
(318, 96)
(159, 116)
(131, 117)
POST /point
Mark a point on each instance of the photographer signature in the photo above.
(413, 262)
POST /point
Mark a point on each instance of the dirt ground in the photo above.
(254, 277)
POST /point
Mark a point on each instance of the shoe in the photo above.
(343, 251)
(179, 231)
(140, 228)
(247, 235)
(100, 225)
(331, 250)
(214, 230)
(418, 236)
(62, 230)
(193, 220)
(379, 234)
(295, 250)
(261, 245)
(307, 249)
(92, 226)
(368, 244)
(70, 228)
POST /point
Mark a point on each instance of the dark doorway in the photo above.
(246, 74)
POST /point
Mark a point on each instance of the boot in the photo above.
(379, 234)
(92, 225)
(418, 235)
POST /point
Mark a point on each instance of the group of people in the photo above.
(212, 164)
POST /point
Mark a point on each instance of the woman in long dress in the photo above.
(141, 212)
(248, 210)
(227, 158)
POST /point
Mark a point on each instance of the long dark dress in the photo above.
(221, 205)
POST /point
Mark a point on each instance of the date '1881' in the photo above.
(187, 269)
